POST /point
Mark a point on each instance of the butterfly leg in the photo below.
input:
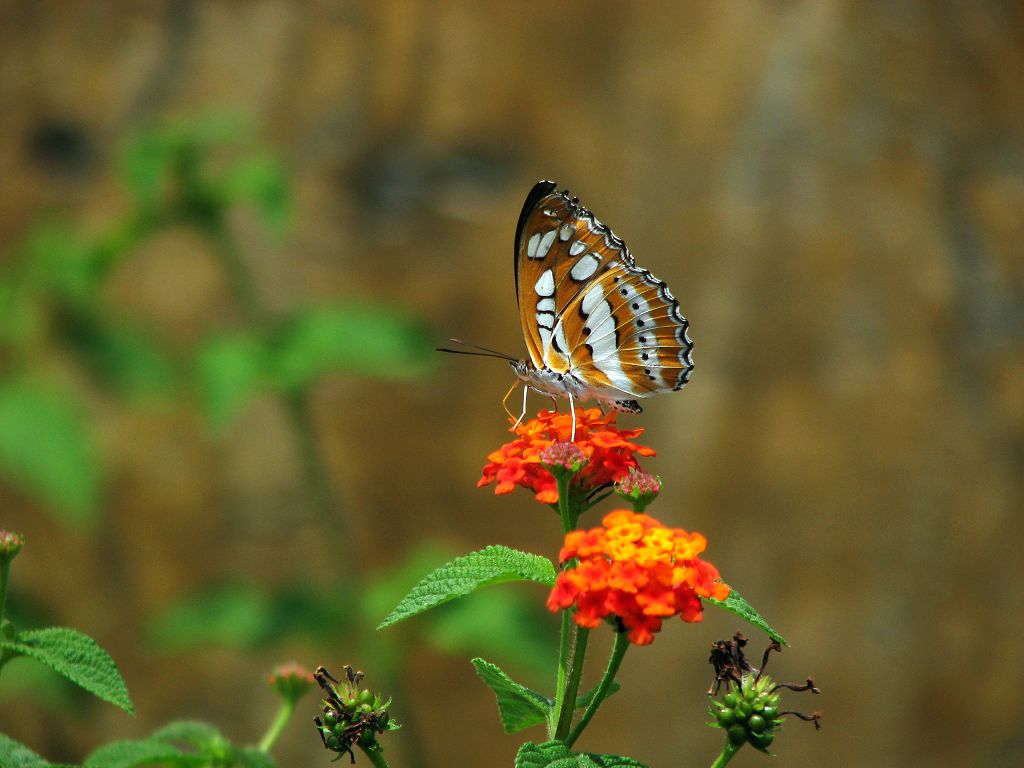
(572, 415)
(523, 414)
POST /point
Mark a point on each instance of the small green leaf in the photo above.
(509, 625)
(230, 369)
(518, 706)
(250, 757)
(13, 754)
(45, 447)
(129, 754)
(78, 658)
(493, 565)
(735, 603)
(554, 754)
(121, 357)
(193, 732)
(584, 700)
(261, 180)
(367, 341)
(233, 617)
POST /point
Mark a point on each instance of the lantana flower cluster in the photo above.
(610, 453)
(636, 569)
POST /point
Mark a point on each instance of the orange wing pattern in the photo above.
(587, 309)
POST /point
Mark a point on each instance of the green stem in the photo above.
(311, 460)
(726, 754)
(376, 754)
(242, 285)
(562, 482)
(618, 651)
(284, 714)
(563, 673)
(6, 630)
(5, 573)
(572, 686)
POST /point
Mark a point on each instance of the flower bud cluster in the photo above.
(351, 716)
(749, 713)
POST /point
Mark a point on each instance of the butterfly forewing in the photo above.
(587, 308)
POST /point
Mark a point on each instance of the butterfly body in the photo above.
(596, 325)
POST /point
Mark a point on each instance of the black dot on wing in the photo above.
(586, 329)
(639, 323)
(642, 339)
(625, 291)
(636, 306)
(644, 356)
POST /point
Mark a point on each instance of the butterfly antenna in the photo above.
(482, 351)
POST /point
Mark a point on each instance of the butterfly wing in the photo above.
(586, 307)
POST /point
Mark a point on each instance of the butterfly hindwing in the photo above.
(587, 308)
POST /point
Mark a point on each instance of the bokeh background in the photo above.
(231, 234)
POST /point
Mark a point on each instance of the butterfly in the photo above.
(597, 326)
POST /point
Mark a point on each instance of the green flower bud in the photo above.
(737, 734)
(762, 740)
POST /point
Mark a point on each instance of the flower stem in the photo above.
(562, 482)
(572, 686)
(726, 754)
(376, 754)
(618, 651)
(6, 629)
(284, 714)
(563, 673)
(5, 573)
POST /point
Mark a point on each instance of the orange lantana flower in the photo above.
(636, 569)
(609, 451)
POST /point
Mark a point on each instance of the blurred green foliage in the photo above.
(52, 306)
(46, 446)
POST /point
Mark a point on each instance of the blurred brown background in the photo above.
(834, 191)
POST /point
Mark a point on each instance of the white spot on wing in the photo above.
(546, 305)
(577, 248)
(545, 243)
(531, 247)
(601, 338)
(565, 232)
(585, 267)
(545, 285)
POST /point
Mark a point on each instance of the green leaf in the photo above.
(13, 754)
(735, 603)
(493, 565)
(584, 700)
(194, 732)
(46, 448)
(250, 757)
(129, 754)
(509, 625)
(78, 658)
(554, 754)
(230, 369)
(233, 617)
(367, 341)
(261, 180)
(122, 357)
(518, 706)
